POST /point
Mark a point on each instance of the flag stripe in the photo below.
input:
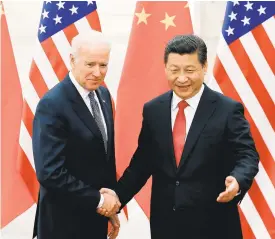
(37, 80)
(27, 117)
(82, 25)
(267, 188)
(213, 82)
(259, 63)
(265, 45)
(29, 93)
(254, 218)
(45, 68)
(227, 87)
(54, 58)
(25, 143)
(28, 174)
(247, 232)
(93, 21)
(70, 32)
(261, 206)
(269, 26)
(247, 97)
(253, 81)
(63, 47)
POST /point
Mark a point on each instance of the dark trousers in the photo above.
(195, 223)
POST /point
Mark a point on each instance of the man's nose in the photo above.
(96, 71)
(182, 78)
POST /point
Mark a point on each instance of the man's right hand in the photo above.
(108, 190)
(111, 203)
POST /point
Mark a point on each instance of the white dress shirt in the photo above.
(84, 94)
(189, 111)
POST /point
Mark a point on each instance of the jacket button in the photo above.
(177, 183)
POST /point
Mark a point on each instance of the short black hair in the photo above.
(186, 44)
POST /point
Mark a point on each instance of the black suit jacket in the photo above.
(71, 164)
(183, 199)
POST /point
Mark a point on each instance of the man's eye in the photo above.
(90, 64)
(174, 70)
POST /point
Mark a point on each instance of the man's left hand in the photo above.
(115, 227)
(231, 189)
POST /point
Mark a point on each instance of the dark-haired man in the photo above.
(197, 145)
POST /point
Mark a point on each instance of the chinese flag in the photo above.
(155, 23)
(15, 197)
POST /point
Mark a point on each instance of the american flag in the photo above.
(245, 71)
(59, 23)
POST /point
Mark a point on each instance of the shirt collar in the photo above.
(193, 102)
(82, 91)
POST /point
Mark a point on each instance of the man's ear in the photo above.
(72, 60)
(165, 69)
(205, 67)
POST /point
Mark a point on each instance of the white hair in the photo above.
(89, 39)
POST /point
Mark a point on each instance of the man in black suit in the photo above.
(196, 143)
(73, 146)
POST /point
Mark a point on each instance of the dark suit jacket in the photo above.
(183, 200)
(71, 164)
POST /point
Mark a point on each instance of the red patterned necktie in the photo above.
(179, 131)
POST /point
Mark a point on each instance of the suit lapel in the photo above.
(80, 107)
(204, 111)
(166, 129)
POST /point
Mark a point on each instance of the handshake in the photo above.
(109, 209)
(111, 204)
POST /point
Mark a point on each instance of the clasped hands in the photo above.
(110, 207)
(111, 203)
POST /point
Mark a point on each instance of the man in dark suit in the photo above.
(73, 146)
(196, 143)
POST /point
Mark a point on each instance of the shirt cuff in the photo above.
(238, 193)
(101, 201)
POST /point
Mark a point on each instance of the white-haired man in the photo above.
(73, 146)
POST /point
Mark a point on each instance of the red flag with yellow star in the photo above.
(143, 78)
